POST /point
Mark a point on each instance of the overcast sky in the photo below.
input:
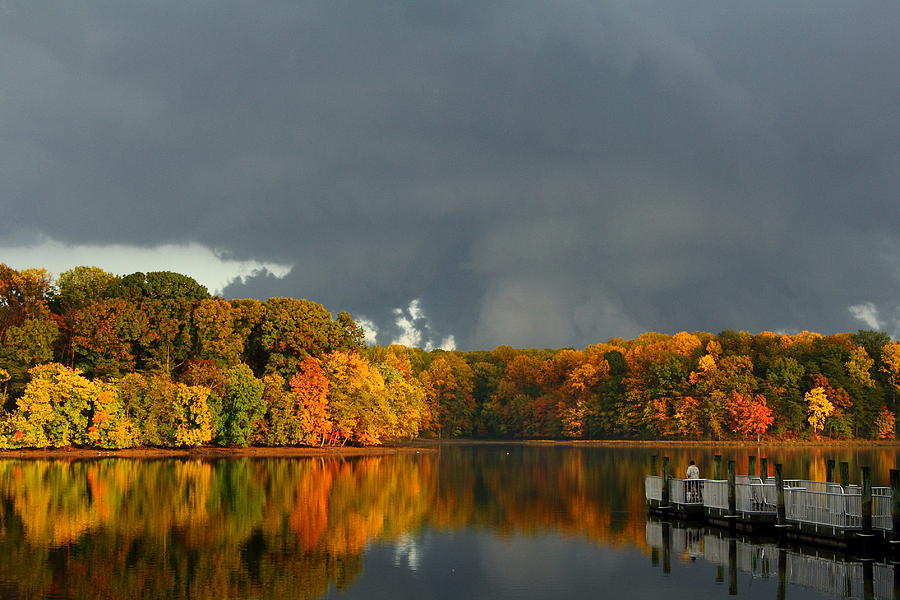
(532, 173)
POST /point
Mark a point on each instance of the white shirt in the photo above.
(693, 472)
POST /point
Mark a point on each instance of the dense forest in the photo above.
(94, 359)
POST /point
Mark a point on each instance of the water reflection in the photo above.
(815, 569)
(306, 528)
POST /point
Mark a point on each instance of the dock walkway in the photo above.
(820, 512)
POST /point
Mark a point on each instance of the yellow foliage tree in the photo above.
(818, 407)
(890, 357)
(859, 367)
(193, 420)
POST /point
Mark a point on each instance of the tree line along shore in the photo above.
(90, 359)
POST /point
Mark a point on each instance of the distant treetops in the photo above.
(94, 359)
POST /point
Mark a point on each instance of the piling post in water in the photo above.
(845, 474)
(868, 580)
(866, 476)
(732, 566)
(665, 485)
(764, 469)
(829, 470)
(782, 573)
(667, 548)
(751, 466)
(780, 508)
(895, 506)
(732, 499)
(653, 468)
(717, 467)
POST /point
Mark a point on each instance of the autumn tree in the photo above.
(60, 407)
(450, 406)
(357, 403)
(103, 336)
(214, 335)
(29, 343)
(885, 424)
(749, 415)
(310, 408)
(819, 408)
(293, 329)
(406, 399)
(23, 295)
(82, 286)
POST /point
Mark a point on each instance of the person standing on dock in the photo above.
(692, 488)
(693, 471)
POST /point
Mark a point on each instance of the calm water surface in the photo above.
(492, 521)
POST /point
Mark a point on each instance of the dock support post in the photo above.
(732, 566)
(845, 473)
(829, 471)
(717, 467)
(667, 548)
(780, 509)
(866, 476)
(764, 469)
(732, 499)
(654, 470)
(751, 466)
(665, 486)
(782, 573)
(868, 580)
(895, 507)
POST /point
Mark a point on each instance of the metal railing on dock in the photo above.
(833, 508)
(686, 491)
(813, 502)
(653, 487)
(832, 505)
(752, 496)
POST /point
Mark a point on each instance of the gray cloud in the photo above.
(535, 174)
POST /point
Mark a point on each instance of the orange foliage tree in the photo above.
(749, 415)
(310, 388)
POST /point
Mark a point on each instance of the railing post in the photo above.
(866, 476)
(717, 466)
(829, 470)
(845, 473)
(764, 469)
(665, 483)
(751, 467)
(895, 504)
(779, 485)
(653, 468)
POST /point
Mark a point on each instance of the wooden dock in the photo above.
(825, 513)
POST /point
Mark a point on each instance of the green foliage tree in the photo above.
(82, 286)
(243, 407)
(158, 285)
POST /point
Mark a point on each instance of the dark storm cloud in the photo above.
(537, 174)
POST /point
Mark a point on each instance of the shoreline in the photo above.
(211, 452)
(418, 446)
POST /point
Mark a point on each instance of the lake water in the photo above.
(487, 521)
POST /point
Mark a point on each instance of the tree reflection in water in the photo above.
(278, 528)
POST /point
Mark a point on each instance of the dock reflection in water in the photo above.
(835, 574)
